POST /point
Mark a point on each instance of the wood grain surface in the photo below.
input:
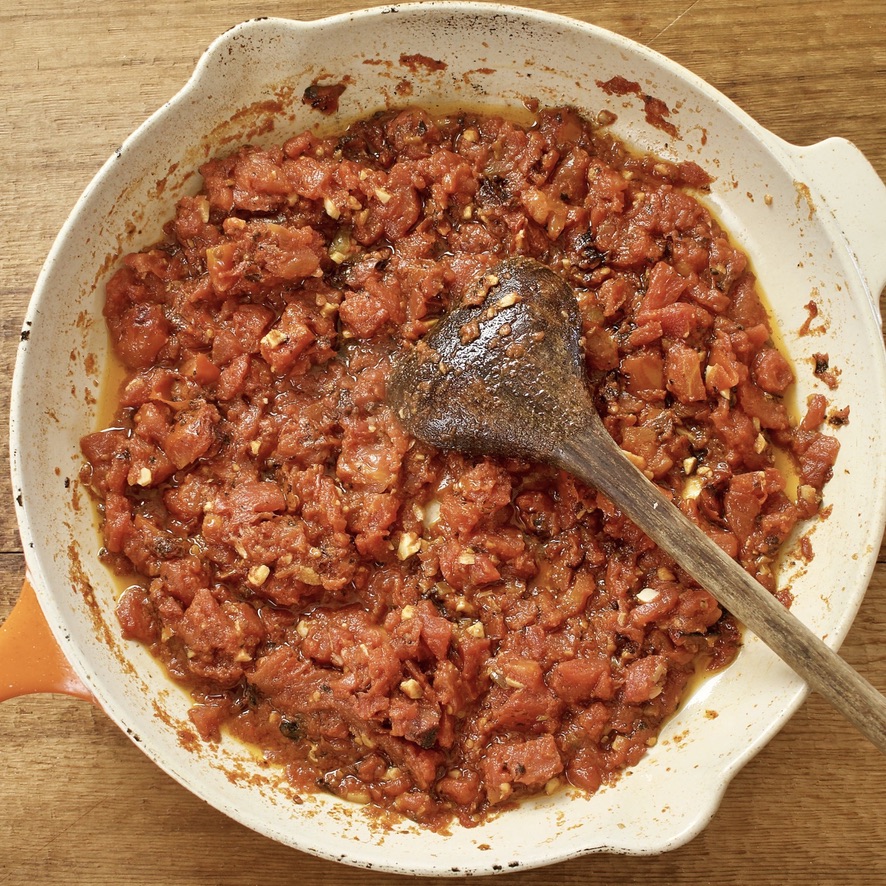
(79, 803)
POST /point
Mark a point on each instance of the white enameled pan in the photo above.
(812, 219)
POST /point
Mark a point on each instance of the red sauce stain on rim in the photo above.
(417, 62)
(657, 111)
(825, 372)
(468, 76)
(813, 313)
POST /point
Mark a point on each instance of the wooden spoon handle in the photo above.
(592, 455)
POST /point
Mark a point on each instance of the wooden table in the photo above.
(78, 802)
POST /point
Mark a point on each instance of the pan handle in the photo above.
(856, 195)
(31, 661)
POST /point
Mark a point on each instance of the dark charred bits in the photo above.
(823, 370)
(839, 417)
(494, 190)
(588, 256)
(428, 739)
(323, 98)
(292, 729)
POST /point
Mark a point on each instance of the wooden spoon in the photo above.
(504, 375)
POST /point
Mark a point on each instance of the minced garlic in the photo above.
(412, 688)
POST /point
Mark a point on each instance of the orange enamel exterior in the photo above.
(30, 658)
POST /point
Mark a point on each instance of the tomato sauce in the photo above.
(434, 634)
